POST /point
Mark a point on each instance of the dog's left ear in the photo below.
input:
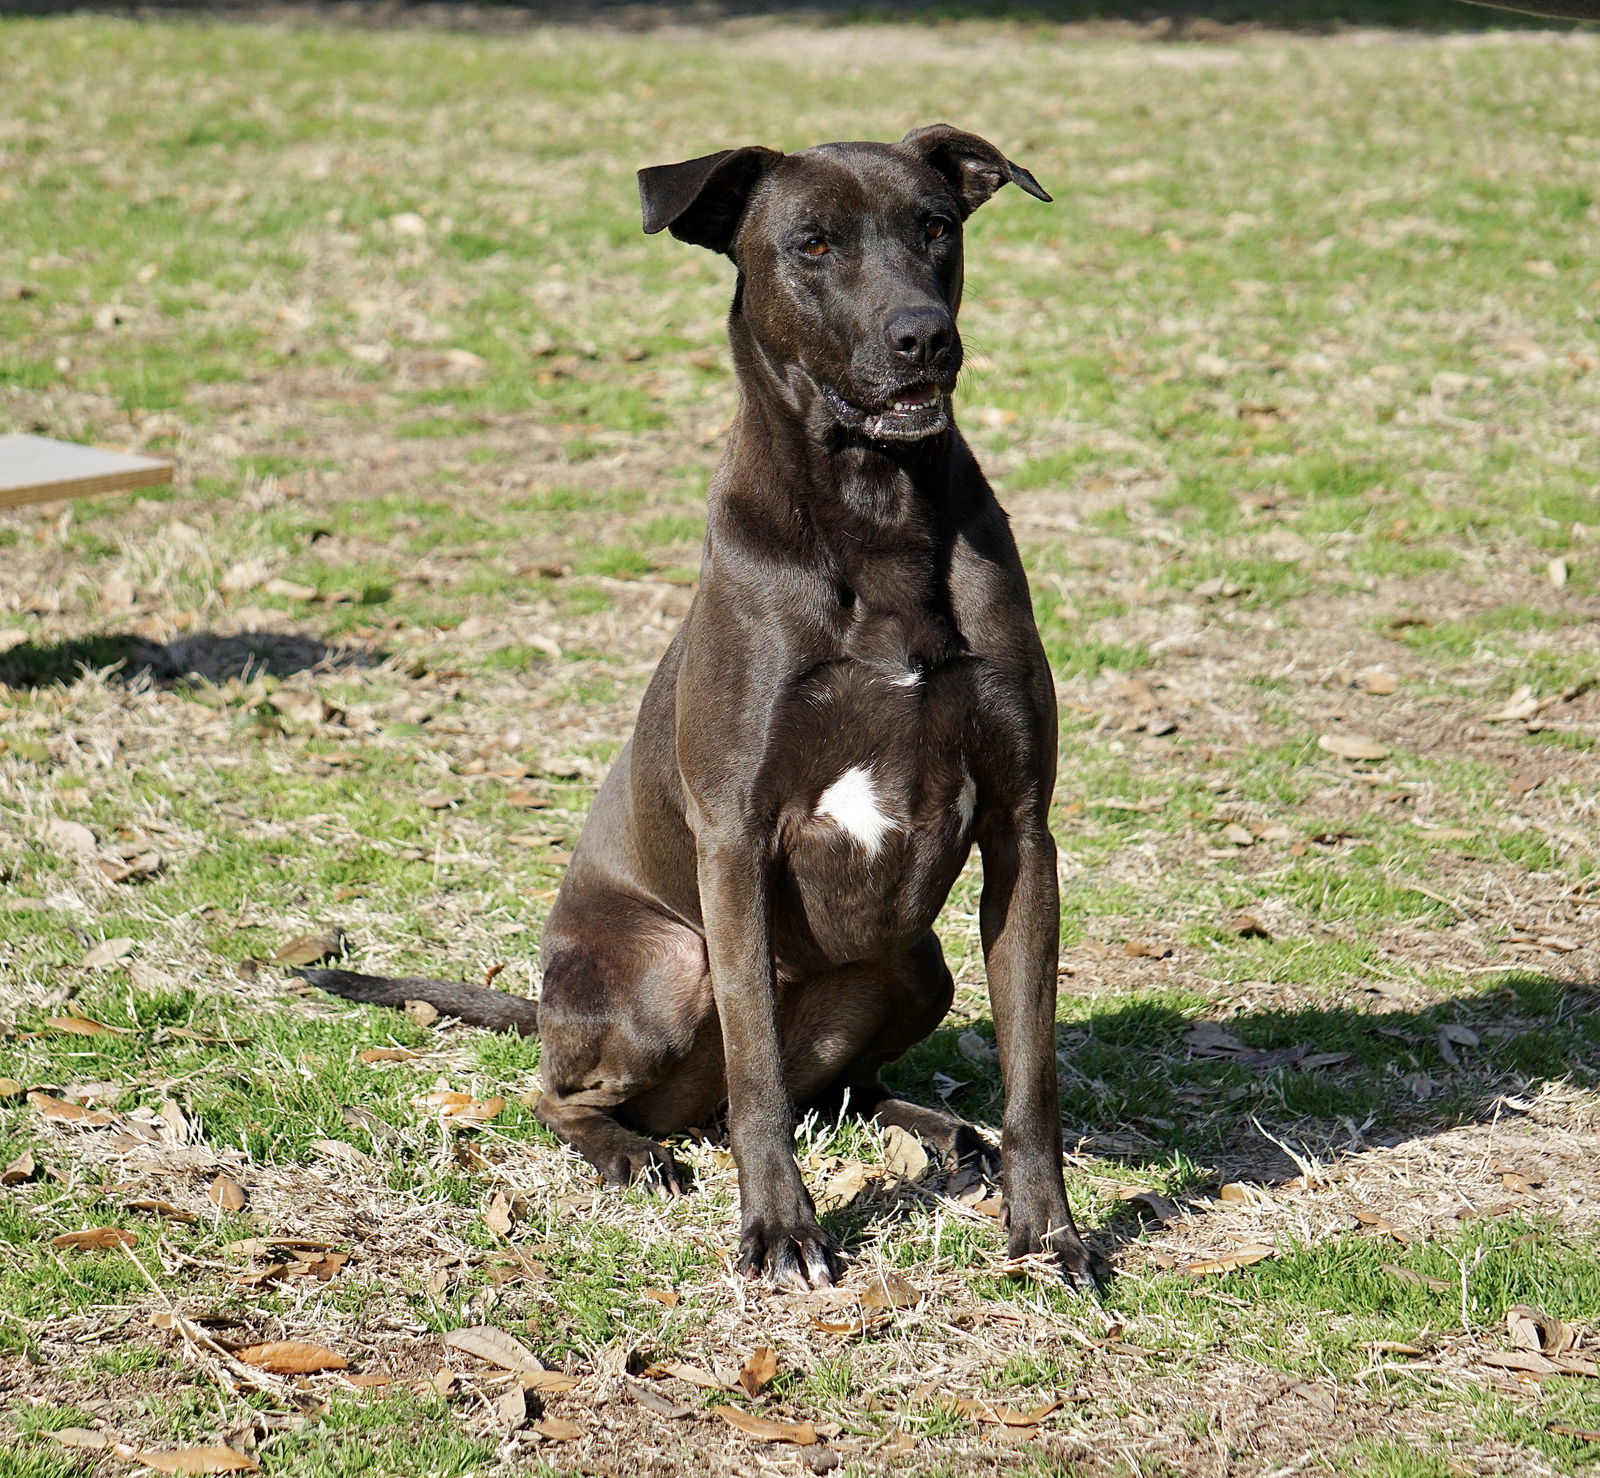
(974, 167)
(703, 199)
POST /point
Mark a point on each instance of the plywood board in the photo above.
(35, 469)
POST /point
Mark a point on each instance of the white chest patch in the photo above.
(851, 802)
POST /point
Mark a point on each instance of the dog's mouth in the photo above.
(909, 414)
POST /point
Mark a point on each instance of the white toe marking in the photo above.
(966, 801)
(852, 802)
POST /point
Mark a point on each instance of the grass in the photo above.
(444, 419)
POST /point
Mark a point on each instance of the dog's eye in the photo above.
(814, 246)
(936, 229)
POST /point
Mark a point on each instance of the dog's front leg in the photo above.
(779, 1235)
(1019, 917)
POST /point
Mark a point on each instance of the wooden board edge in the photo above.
(87, 487)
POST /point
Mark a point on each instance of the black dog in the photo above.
(857, 696)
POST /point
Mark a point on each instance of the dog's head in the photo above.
(849, 260)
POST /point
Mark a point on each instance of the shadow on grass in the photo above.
(1176, 20)
(1198, 1102)
(209, 656)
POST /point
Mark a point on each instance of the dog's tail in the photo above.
(477, 1005)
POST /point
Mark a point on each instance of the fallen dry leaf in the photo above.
(976, 1048)
(96, 1239)
(107, 953)
(291, 1357)
(903, 1154)
(19, 1170)
(1248, 926)
(1531, 1329)
(10, 1088)
(767, 1429)
(890, 1291)
(197, 1460)
(309, 949)
(557, 1429)
(164, 1208)
(227, 1193)
(82, 1437)
(854, 1328)
(497, 1214)
(424, 1013)
(1352, 747)
(69, 836)
(509, 1353)
(1241, 1257)
(52, 1107)
(461, 1109)
(1565, 1429)
(388, 1054)
(758, 1370)
(82, 1026)
(663, 1297)
(694, 1374)
(844, 1187)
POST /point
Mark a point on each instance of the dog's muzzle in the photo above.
(911, 413)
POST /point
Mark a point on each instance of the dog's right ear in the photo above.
(703, 199)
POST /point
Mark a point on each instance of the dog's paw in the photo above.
(797, 1257)
(646, 1165)
(972, 1155)
(1082, 1269)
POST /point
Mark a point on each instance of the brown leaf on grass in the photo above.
(439, 800)
(163, 1208)
(976, 1048)
(1523, 1361)
(1139, 949)
(371, 1381)
(291, 1357)
(82, 1438)
(695, 1375)
(662, 1296)
(461, 1109)
(653, 1400)
(499, 1348)
(1378, 681)
(197, 1460)
(1532, 1329)
(1417, 1280)
(19, 1170)
(1240, 1257)
(10, 1088)
(767, 1429)
(96, 1239)
(72, 837)
(82, 1026)
(1212, 1039)
(557, 1429)
(1248, 926)
(854, 1328)
(758, 1370)
(1243, 1195)
(891, 1291)
(60, 1109)
(130, 869)
(1000, 1415)
(525, 799)
(388, 1054)
(424, 1013)
(310, 949)
(1566, 1429)
(903, 1154)
(1523, 704)
(1163, 1208)
(107, 953)
(844, 1187)
(511, 1406)
(1352, 747)
(497, 1214)
(227, 1193)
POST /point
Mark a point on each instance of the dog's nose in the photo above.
(920, 335)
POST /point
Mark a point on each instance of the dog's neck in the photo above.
(826, 483)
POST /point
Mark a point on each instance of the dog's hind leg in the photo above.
(630, 1037)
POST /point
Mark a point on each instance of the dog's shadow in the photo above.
(207, 656)
(1256, 1098)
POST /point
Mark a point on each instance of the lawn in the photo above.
(1293, 397)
